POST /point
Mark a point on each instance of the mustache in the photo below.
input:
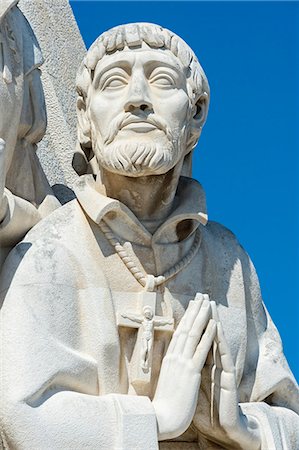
(124, 119)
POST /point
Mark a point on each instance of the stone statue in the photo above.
(137, 239)
(148, 324)
(141, 361)
(56, 149)
(27, 196)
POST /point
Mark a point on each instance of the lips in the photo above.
(140, 127)
(138, 124)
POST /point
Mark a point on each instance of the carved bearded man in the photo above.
(135, 239)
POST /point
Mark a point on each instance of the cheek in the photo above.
(174, 108)
(102, 111)
(97, 114)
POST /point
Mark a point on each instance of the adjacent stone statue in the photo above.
(27, 196)
(129, 321)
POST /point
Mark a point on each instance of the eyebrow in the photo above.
(162, 64)
(125, 65)
(112, 65)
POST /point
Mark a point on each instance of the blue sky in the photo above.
(247, 158)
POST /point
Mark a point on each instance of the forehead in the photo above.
(145, 57)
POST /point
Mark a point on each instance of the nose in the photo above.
(138, 96)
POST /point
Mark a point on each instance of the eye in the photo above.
(114, 82)
(163, 81)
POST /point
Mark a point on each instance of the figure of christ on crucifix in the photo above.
(142, 103)
(148, 322)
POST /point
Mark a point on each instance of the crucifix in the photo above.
(147, 323)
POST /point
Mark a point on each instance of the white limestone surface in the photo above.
(25, 194)
(84, 363)
(63, 50)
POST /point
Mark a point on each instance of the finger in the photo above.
(188, 326)
(206, 297)
(215, 314)
(200, 297)
(228, 408)
(226, 362)
(223, 380)
(181, 332)
(196, 331)
(189, 315)
(217, 369)
(214, 390)
(222, 355)
(224, 396)
(204, 345)
(228, 394)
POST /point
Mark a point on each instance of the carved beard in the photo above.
(139, 157)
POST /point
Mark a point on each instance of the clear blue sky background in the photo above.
(247, 158)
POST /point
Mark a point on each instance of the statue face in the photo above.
(138, 109)
(148, 312)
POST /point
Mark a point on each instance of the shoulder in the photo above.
(46, 254)
(231, 265)
(226, 254)
(216, 236)
(53, 226)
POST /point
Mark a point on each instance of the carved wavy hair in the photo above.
(132, 36)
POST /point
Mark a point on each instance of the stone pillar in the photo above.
(63, 49)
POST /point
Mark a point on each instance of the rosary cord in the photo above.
(126, 259)
(185, 261)
(137, 273)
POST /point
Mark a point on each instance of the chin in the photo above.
(138, 159)
(138, 172)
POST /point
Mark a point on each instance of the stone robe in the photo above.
(65, 363)
(20, 217)
(28, 193)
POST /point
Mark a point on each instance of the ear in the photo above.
(200, 111)
(199, 115)
(84, 135)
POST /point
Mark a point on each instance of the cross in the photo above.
(146, 322)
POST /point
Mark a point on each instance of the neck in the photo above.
(150, 198)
